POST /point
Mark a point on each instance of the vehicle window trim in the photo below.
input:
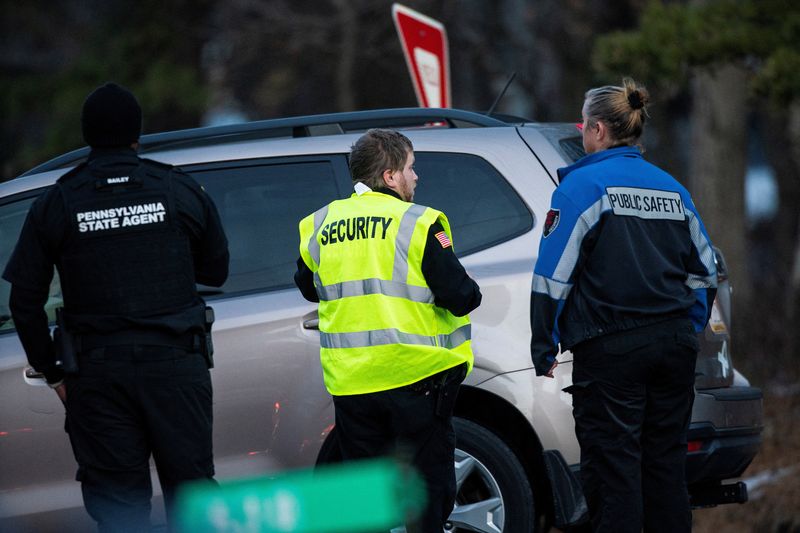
(24, 195)
(338, 163)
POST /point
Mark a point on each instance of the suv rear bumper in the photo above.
(726, 432)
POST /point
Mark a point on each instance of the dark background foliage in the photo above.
(724, 76)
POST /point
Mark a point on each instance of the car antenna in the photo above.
(503, 92)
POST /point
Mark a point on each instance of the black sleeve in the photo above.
(32, 262)
(544, 312)
(30, 319)
(201, 221)
(304, 279)
(212, 261)
(30, 272)
(452, 288)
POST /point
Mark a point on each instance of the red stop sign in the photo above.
(424, 43)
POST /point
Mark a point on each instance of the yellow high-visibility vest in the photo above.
(379, 327)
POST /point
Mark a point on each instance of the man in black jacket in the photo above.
(130, 238)
(382, 318)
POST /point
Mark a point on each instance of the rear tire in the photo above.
(494, 494)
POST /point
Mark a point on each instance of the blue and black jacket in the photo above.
(622, 247)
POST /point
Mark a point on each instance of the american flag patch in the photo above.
(443, 239)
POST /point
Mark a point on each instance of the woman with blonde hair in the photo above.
(625, 279)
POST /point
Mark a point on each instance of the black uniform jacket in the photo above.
(622, 247)
(41, 245)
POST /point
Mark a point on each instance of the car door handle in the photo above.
(311, 323)
(34, 378)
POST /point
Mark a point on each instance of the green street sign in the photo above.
(348, 498)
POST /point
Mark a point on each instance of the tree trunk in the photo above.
(348, 23)
(772, 247)
(717, 164)
(794, 146)
(792, 349)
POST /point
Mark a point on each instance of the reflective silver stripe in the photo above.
(554, 289)
(375, 337)
(701, 282)
(363, 287)
(403, 241)
(457, 338)
(313, 245)
(380, 337)
(585, 222)
(706, 254)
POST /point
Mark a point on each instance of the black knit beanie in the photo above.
(111, 117)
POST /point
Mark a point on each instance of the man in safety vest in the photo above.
(393, 303)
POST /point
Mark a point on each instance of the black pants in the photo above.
(125, 404)
(414, 423)
(632, 402)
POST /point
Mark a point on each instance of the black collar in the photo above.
(387, 190)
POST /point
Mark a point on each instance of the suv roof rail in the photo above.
(303, 126)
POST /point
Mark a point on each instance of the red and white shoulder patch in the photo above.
(443, 239)
(551, 222)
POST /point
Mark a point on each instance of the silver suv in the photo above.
(493, 178)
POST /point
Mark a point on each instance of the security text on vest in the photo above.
(352, 229)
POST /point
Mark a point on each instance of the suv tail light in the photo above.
(722, 266)
(694, 446)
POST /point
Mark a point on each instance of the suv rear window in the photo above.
(572, 148)
(260, 206)
(483, 209)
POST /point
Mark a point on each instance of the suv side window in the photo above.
(260, 204)
(483, 209)
(12, 216)
(572, 148)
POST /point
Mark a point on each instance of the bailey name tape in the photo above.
(646, 203)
